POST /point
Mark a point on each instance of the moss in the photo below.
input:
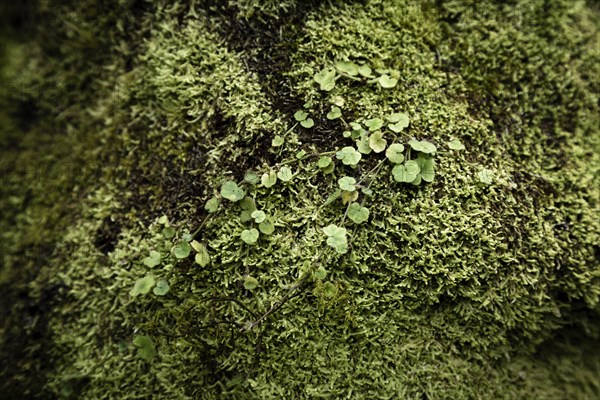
(453, 289)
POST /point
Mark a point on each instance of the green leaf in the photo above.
(320, 273)
(300, 154)
(202, 257)
(250, 283)
(153, 259)
(277, 141)
(334, 113)
(365, 71)
(308, 123)
(347, 183)
(231, 191)
(336, 238)
(285, 174)
(268, 179)
(163, 220)
(399, 121)
(347, 67)
(362, 144)
(187, 237)
(249, 236)
(247, 203)
(355, 126)
(406, 172)
(259, 216)
(267, 227)
(142, 286)
(394, 153)
(377, 142)
(145, 347)
(324, 162)
(422, 146)
(386, 82)
(251, 178)
(181, 250)
(426, 166)
(168, 232)
(325, 79)
(162, 287)
(456, 144)
(348, 155)
(374, 124)
(357, 213)
(329, 290)
(212, 205)
(486, 176)
(300, 115)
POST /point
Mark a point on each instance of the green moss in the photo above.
(457, 288)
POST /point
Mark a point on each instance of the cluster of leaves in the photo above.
(327, 77)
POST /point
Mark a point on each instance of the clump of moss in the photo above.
(228, 248)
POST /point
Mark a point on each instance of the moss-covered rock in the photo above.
(203, 201)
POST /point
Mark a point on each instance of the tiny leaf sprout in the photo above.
(335, 113)
(212, 205)
(365, 71)
(277, 141)
(386, 82)
(486, 176)
(348, 155)
(348, 197)
(142, 286)
(250, 283)
(268, 179)
(162, 287)
(423, 146)
(300, 115)
(231, 191)
(202, 258)
(406, 172)
(285, 174)
(267, 227)
(249, 236)
(347, 183)
(324, 162)
(362, 144)
(168, 232)
(329, 290)
(181, 250)
(357, 213)
(307, 123)
(374, 124)
(426, 167)
(163, 220)
(145, 347)
(456, 144)
(326, 79)
(377, 143)
(320, 273)
(251, 178)
(336, 238)
(394, 153)
(259, 216)
(153, 259)
(398, 121)
(347, 67)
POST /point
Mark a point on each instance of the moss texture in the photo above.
(120, 121)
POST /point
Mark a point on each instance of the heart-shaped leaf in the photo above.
(456, 144)
(325, 79)
(386, 82)
(162, 287)
(347, 67)
(145, 347)
(394, 153)
(347, 183)
(250, 236)
(277, 141)
(250, 283)
(374, 124)
(334, 113)
(300, 115)
(212, 205)
(259, 216)
(181, 250)
(357, 213)
(231, 191)
(348, 155)
(267, 227)
(336, 238)
(153, 259)
(377, 142)
(142, 286)
(268, 179)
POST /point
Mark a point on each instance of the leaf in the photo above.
(334, 113)
(336, 238)
(231, 191)
(355, 126)
(202, 257)
(377, 142)
(406, 172)
(212, 205)
(456, 144)
(267, 227)
(324, 162)
(168, 232)
(422, 146)
(347, 67)
(277, 141)
(162, 287)
(145, 347)
(374, 124)
(181, 250)
(347, 183)
(329, 290)
(249, 236)
(357, 213)
(247, 204)
(268, 179)
(362, 144)
(486, 176)
(187, 237)
(386, 82)
(285, 174)
(320, 273)
(365, 71)
(250, 283)
(300, 154)
(251, 178)
(153, 259)
(427, 172)
(308, 123)
(348, 197)
(142, 286)
(325, 79)
(412, 169)
(394, 153)
(349, 155)
(300, 115)
(399, 121)
(163, 220)
(259, 216)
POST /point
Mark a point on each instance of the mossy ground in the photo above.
(116, 114)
